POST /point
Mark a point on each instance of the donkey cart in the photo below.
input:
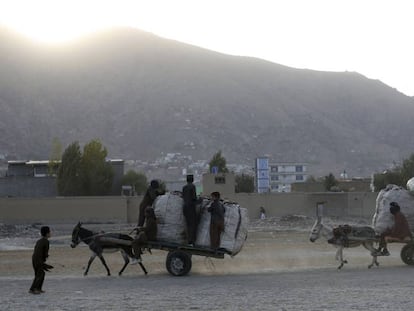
(345, 236)
(178, 261)
(407, 253)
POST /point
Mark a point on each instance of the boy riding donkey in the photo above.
(399, 232)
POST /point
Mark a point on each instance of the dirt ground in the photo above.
(278, 269)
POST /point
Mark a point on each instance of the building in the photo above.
(34, 179)
(221, 182)
(278, 177)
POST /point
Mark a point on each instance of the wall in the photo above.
(355, 204)
(63, 210)
(125, 209)
(27, 186)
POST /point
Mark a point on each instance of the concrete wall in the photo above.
(355, 204)
(27, 186)
(125, 209)
(63, 210)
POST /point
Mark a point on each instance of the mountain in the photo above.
(143, 95)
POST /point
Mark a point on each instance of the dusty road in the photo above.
(276, 270)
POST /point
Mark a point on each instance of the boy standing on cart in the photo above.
(217, 211)
(189, 209)
(151, 194)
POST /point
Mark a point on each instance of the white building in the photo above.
(278, 177)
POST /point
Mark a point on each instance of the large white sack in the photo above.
(172, 225)
(235, 228)
(383, 219)
(168, 209)
(410, 185)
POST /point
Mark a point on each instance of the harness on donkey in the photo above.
(345, 234)
(104, 242)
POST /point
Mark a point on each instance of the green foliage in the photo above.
(96, 172)
(397, 176)
(311, 179)
(220, 162)
(55, 156)
(138, 181)
(85, 174)
(407, 169)
(389, 177)
(68, 177)
(244, 183)
(329, 182)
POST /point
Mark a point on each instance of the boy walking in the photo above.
(40, 254)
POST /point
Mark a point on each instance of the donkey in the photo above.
(104, 242)
(359, 235)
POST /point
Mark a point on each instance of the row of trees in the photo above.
(399, 175)
(87, 172)
(84, 173)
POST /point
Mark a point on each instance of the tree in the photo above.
(218, 161)
(85, 174)
(244, 183)
(407, 170)
(55, 157)
(311, 179)
(388, 177)
(138, 181)
(330, 182)
(96, 173)
(68, 177)
(399, 175)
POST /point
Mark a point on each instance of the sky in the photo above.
(371, 37)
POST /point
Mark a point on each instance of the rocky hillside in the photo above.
(143, 95)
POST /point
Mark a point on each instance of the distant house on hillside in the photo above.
(33, 179)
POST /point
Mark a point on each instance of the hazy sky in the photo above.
(372, 37)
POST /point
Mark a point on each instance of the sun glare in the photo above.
(54, 21)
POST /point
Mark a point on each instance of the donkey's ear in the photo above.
(79, 223)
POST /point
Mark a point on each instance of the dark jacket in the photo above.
(150, 229)
(150, 196)
(41, 252)
(401, 229)
(189, 194)
(217, 212)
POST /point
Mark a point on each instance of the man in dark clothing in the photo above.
(152, 192)
(189, 209)
(40, 254)
(145, 234)
(400, 231)
(217, 211)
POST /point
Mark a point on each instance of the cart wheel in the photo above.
(178, 263)
(407, 254)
